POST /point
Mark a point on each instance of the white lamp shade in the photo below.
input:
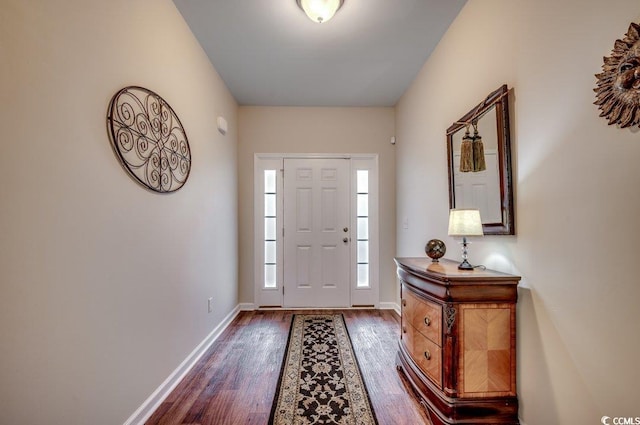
(465, 223)
(320, 10)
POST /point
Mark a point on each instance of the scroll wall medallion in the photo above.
(148, 139)
(618, 86)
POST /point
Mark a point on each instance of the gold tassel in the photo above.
(479, 163)
(466, 153)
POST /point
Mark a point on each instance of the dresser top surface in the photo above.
(447, 271)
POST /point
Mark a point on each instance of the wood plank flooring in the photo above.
(235, 381)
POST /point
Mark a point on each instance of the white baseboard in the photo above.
(247, 306)
(390, 306)
(144, 412)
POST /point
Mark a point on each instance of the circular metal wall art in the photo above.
(618, 86)
(149, 139)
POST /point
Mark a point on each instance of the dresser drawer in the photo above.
(426, 354)
(424, 315)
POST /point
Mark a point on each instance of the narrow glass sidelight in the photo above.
(362, 231)
(270, 220)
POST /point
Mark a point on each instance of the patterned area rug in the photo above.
(320, 382)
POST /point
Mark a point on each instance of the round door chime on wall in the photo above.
(148, 139)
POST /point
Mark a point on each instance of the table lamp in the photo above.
(465, 222)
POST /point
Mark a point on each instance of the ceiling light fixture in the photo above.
(320, 10)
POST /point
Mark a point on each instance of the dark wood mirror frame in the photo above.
(499, 99)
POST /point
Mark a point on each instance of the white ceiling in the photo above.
(269, 53)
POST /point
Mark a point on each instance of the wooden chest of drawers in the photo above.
(458, 342)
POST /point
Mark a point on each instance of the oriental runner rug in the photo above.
(320, 381)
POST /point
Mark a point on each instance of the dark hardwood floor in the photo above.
(235, 381)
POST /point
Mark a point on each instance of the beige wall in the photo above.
(577, 205)
(104, 285)
(317, 130)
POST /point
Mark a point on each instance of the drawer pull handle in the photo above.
(427, 355)
(404, 329)
(404, 303)
(427, 321)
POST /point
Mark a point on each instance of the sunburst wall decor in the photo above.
(618, 86)
(148, 139)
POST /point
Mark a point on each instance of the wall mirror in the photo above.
(479, 157)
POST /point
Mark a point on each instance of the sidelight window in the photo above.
(362, 230)
(270, 219)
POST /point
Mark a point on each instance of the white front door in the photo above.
(316, 232)
(481, 189)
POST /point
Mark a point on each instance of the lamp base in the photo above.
(465, 265)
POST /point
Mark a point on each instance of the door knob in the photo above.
(345, 240)
(346, 229)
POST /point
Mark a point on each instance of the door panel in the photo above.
(316, 247)
(480, 190)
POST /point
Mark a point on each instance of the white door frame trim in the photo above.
(267, 297)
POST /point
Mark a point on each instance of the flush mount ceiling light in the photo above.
(320, 10)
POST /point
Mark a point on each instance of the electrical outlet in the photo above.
(210, 304)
